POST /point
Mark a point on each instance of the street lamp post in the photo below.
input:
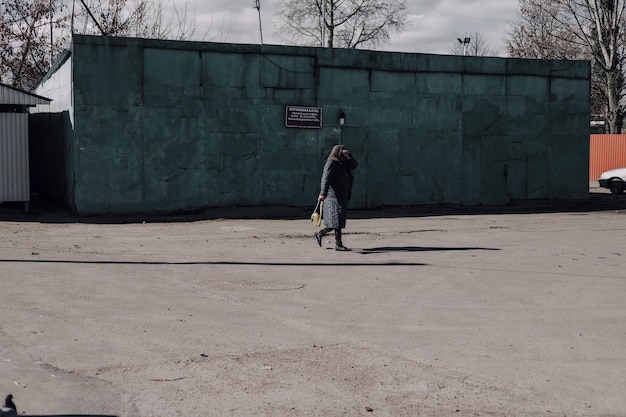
(464, 42)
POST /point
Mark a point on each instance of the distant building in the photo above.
(597, 127)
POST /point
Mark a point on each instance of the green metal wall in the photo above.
(165, 125)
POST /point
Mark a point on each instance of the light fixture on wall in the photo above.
(342, 122)
(342, 118)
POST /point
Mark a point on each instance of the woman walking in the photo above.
(335, 192)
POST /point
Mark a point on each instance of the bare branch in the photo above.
(477, 46)
(579, 29)
(340, 23)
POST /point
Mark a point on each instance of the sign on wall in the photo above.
(301, 116)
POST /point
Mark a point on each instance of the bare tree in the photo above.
(177, 26)
(138, 18)
(340, 23)
(538, 35)
(579, 29)
(477, 46)
(27, 44)
(34, 32)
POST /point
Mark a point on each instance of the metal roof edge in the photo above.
(47, 100)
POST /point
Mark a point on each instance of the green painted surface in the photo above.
(163, 126)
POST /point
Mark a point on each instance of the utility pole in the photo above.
(51, 36)
(324, 12)
(257, 5)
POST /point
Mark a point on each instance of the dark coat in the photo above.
(336, 186)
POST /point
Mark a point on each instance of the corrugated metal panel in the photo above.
(14, 174)
(10, 95)
(606, 152)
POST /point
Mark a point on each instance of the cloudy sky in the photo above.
(433, 25)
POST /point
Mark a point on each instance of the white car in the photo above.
(613, 180)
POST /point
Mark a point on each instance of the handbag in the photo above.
(316, 216)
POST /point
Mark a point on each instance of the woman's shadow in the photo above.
(65, 415)
(384, 249)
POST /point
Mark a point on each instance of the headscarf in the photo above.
(336, 152)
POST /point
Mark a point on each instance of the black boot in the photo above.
(338, 244)
(319, 235)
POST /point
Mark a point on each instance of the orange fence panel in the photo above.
(606, 152)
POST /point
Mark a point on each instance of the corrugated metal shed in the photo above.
(14, 168)
(11, 95)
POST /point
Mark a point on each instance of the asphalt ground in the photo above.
(437, 311)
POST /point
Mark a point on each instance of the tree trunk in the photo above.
(330, 11)
(615, 114)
